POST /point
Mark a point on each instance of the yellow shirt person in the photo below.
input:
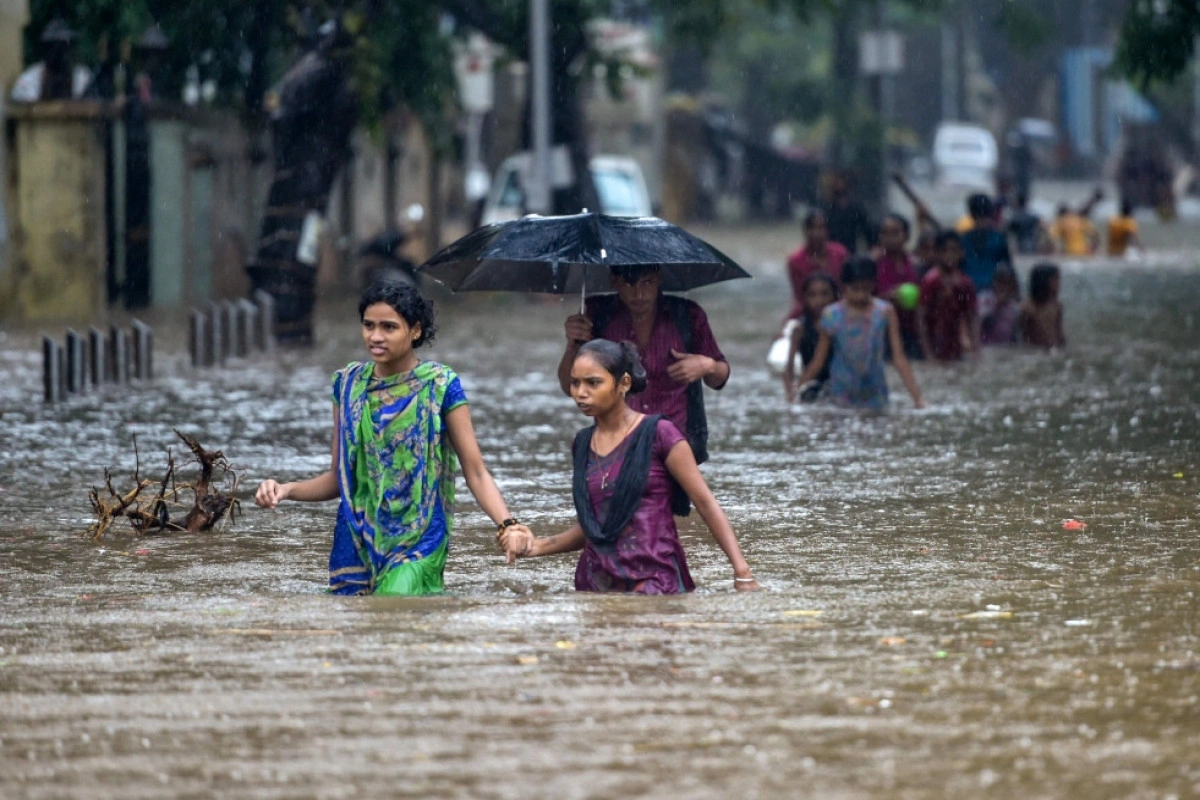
(1122, 232)
(1073, 234)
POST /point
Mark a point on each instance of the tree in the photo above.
(1157, 40)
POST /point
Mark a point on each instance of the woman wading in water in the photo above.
(400, 427)
(624, 468)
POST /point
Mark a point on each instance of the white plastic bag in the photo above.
(777, 355)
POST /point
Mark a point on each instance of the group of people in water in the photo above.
(636, 362)
(958, 292)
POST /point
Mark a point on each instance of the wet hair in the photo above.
(632, 273)
(619, 359)
(944, 238)
(856, 269)
(1040, 279)
(820, 277)
(1063, 208)
(904, 225)
(407, 301)
(1005, 272)
(813, 216)
(980, 206)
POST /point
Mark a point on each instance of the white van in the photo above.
(965, 155)
(618, 179)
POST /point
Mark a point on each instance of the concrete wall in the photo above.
(56, 213)
(14, 16)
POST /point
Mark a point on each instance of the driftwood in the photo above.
(148, 506)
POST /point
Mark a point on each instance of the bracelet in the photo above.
(736, 579)
(508, 523)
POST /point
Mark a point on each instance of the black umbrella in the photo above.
(573, 253)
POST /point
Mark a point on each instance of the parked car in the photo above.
(618, 179)
(965, 155)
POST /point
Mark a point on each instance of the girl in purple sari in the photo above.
(624, 467)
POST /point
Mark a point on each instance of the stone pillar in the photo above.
(57, 214)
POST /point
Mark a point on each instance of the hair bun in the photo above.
(633, 366)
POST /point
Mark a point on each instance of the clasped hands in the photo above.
(516, 541)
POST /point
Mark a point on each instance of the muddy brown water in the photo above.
(928, 628)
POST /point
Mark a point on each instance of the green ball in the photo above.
(907, 295)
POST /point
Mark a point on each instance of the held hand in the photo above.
(919, 403)
(578, 328)
(516, 541)
(689, 367)
(270, 494)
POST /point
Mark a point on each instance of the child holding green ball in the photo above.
(896, 280)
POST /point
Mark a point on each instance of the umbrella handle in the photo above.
(583, 296)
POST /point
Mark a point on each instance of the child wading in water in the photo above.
(1000, 310)
(1042, 314)
(855, 330)
(624, 467)
(819, 292)
(398, 425)
(894, 268)
(947, 316)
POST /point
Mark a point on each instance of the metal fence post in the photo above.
(266, 320)
(118, 348)
(97, 356)
(76, 372)
(247, 327)
(51, 377)
(228, 329)
(198, 339)
(143, 351)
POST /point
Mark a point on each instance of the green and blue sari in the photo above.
(395, 471)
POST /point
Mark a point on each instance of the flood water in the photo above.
(928, 628)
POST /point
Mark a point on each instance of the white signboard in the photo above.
(880, 53)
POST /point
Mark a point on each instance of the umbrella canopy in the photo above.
(573, 253)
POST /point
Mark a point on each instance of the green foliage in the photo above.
(1157, 40)
(398, 51)
(1025, 25)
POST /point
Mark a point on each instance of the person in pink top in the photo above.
(894, 268)
(818, 255)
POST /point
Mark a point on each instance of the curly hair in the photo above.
(408, 302)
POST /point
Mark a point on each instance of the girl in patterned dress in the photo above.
(855, 329)
(401, 426)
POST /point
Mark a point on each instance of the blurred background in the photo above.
(156, 154)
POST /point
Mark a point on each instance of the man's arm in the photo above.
(705, 361)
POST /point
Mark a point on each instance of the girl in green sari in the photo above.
(401, 426)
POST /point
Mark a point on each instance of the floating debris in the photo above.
(988, 615)
(154, 514)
